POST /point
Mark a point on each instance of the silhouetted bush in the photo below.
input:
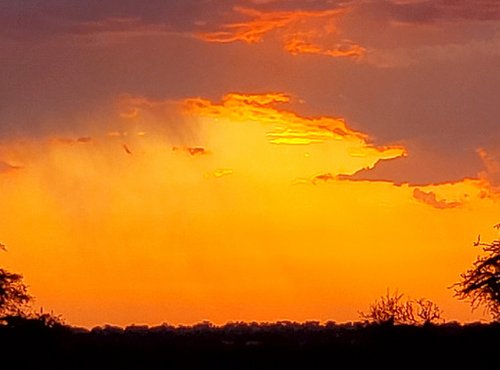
(395, 309)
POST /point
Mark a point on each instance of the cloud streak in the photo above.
(430, 199)
(261, 108)
(228, 21)
(300, 31)
(309, 29)
(490, 175)
(433, 11)
(324, 177)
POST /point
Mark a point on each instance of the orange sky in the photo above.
(245, 229)
(248, 159)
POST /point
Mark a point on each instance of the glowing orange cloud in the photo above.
(225, 126)
(260, 24)
(346, 49)
(288, 128)
(301, 31)
(285, 127)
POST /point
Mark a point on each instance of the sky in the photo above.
(257, 160)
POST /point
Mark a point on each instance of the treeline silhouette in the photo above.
(280, 345)
(395, 332)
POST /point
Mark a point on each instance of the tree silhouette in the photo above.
(16, 303)
(481, 284)
(14, 297)
(395, 309)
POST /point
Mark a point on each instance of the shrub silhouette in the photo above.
(481, 284)
(426, 311)
(395, 309)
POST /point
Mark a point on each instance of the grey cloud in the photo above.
(443, 53)
(442, 111)
(430, 11)
(421, 168)
(36, 19)
(324, 177)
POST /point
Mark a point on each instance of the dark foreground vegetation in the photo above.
(31, 343)
(396, 332)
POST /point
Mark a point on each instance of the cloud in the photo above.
(284, 127)
(430, 198)
(442, 101)
(290, 129)
(302, 27)
(429, 54)
(253, 30)
(434, 11)
(415, 169)
(301, 44)
(34, 20)
(491, 172)
(300, 31)
(436, 173)
(492, 166)
(111, 30)
(226, 21)
(325, 177)
(423, 169)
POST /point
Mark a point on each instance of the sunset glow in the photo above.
(265, 161)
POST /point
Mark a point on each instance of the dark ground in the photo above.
(282, 345)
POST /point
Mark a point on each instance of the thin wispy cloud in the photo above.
(431, 199)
